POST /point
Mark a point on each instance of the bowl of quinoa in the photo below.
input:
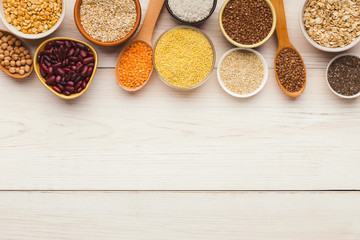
(107, 22)
(184, 57)
(242, 73)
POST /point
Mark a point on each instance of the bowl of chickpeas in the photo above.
(15, 56)
(31, 19)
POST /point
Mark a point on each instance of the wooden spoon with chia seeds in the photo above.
(144, 36)
(284, 43)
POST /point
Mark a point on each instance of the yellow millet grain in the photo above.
(183, 57)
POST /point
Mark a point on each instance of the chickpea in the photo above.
(29, 62)
(1, 51)
(6, 63)
(13, 40)
(18, 63)
(17, 70)
(22, 68)
(12, 70)
(21, 54)
(12, 63)
(7, 67)
(15, 57)
(8, 58)
(2, 56)
(18, 43)
(22, 72)
(26, 52)
(1, 42)
(22, 62)
(4, 46)
(28, 56)
(11, 53)
(27, 68)
(22, 49)
(4, 39)
(9, 48)
(11, 43)
(1, 34)
(3, 63)
(6, 53)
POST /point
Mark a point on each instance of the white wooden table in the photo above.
(162, 164)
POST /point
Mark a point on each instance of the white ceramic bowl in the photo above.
(32, 36)
(315, 44)
(327, 72)
(266, 73)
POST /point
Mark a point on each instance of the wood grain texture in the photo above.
(161, 139)
(178, 216)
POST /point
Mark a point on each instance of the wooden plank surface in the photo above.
(178, 216)
(160, 139)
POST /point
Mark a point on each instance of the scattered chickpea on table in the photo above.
(13, 55)
(32, 16)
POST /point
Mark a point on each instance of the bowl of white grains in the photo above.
(331, 25)
(242, 73)
(190, 11)
(107, 22)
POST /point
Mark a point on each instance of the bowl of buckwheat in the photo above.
(331, 25)
(32, 19)
(107, 22)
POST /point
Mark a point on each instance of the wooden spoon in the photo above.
(145, 36)
(284, 42)
(17, 75)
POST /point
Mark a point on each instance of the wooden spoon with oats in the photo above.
(289, 66)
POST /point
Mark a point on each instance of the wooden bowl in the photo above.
(16, 75)
(272, 30)
(106, 44)
(42, 80)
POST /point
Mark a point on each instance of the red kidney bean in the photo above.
(71, 52)
(57, 89)
(69, 83)
(87, 79)
(48, 46)
(78, 85)
(50, 80)
(80, 67)
(66, 70)
(50, 71)
(83, 54)
(56, 65)
(84, 71)
(66, 93)
(90, 54)
(59, 43)
(88, 60)
(45, 52)
(77, 79)
(42, 73)
(60, 87)
(61, 72)
(44, 68)
(83, 85)
(67, 44)
(70, 89)
(73, 68)
(89, 71)
(91, 65)
(58, 79)
(73, 59)
(76, 52)
(81, 46)
(79, 89)
(47, 63)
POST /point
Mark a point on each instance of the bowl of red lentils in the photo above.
(107, 22)
(247, 23)
(32, 19)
